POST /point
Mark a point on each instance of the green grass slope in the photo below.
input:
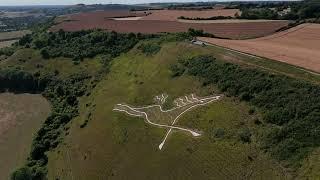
(103, 144)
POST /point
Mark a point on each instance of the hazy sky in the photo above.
(67, 2)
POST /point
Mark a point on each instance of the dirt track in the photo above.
(299, 46)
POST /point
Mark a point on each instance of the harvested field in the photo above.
(229, 30)
(172, 15)
(6, 36)
(299, 46)
(104, 15)
(7, 43)
(20, 118)
(228, 21)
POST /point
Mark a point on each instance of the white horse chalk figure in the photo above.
(155, 115)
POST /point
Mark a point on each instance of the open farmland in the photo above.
(299, 46)
(173, 15)
(20, 118)
(6, 36)
(105, 14)
(7, 43)
(102, 20)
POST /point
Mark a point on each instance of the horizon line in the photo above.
(223, 1)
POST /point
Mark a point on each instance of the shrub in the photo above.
(149, 48)
(22, 174)
(245, 135)
(219, 133)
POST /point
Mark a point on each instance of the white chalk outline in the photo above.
(145, 115)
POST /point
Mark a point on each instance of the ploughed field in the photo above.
(165, 22)
(299, 46)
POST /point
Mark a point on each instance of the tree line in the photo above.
(81, 44)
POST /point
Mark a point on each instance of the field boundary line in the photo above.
(261, 57)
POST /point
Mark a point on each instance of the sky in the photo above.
(71, 2)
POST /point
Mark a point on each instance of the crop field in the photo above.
(103, 20)
(298, 46)
(6, 36)
(115, 145)
(173, 15)
(20, 118)
(105, 14)
(7, 43)
(228, 21)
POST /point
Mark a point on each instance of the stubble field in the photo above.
(20, 118)
(299, 46)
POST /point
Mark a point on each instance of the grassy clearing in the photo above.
(116, 146)
(20, 117)
(31, 60)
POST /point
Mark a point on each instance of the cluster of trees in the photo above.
(304, 10)
(20, 23)
(298, 10)
(262, 13)
(291, 105)
(14, 80)
(7, 51)
(63, 95)
(195, 32)
(80, 44)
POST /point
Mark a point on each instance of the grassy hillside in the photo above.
(115, 146)
(84, 139)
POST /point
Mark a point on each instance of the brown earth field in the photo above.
(101, 15)
(101, 20)
(21, 115)
(173, 15)
(299, 46)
